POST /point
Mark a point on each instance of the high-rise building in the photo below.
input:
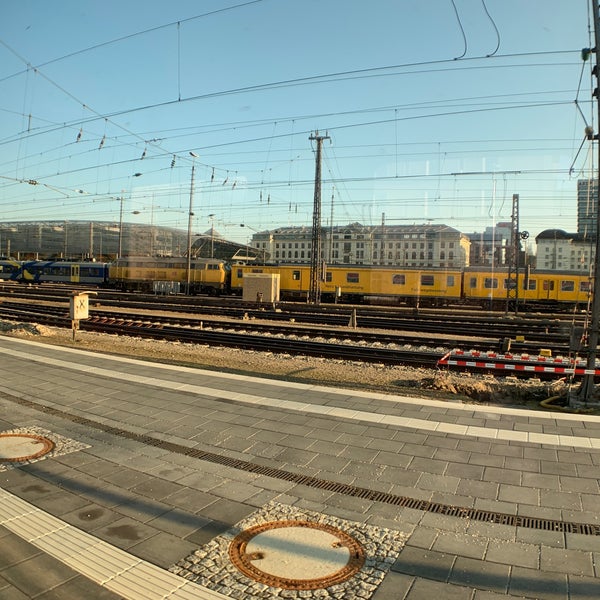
(587, 207)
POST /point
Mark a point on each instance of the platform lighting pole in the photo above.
(188, 269)
(586, 391)
(314, 293)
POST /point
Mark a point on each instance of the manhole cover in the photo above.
(296, 555)
(18, 447)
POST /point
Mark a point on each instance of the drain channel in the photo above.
(474, 514)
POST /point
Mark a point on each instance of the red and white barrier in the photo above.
(516, 363)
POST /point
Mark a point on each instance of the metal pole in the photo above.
(314, 293)
(586, 390)
(120, 228)
(189, 235)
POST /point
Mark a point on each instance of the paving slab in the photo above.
(152, 486)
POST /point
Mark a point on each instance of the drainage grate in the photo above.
(323, 484)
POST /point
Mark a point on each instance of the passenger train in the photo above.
(471, 286)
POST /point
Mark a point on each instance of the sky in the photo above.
(430, 112)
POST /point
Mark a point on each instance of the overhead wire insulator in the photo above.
(79, 135)
(173, 161)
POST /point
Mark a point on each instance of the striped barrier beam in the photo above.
(458, 359)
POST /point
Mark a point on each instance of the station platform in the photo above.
(121, 478)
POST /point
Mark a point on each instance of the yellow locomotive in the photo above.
(169, 274)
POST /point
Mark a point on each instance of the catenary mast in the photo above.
(314, 292)
(586, 391)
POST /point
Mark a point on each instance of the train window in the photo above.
(240, 273)
(584, 286)
(329, 276)
(548, 285)
(352, 277)
(490, 283)
(473, 282)
(450, 280)
(510, 284)
(567, 285)
(427, 280)
(295, 275)
(530, 284)
(399, 279)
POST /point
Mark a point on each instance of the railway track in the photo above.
(391, 349)
(257, 323)
(285, 345)
(537, 329)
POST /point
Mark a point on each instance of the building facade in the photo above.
(421, 246)
(587, 207)
(491, 246)
(558, 250)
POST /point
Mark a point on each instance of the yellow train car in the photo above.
(563, 288)
(536, 289)
(363, 284)
(157, 274)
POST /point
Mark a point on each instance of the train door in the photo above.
(74, 274)
(548, 290)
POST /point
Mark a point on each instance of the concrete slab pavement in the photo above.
(159, 464)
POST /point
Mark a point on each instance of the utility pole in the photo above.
(586, 390)
(188, 270)
(314, 292)
(382, 255)
(512, 284)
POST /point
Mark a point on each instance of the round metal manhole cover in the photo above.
(296, 555)
(19, 447)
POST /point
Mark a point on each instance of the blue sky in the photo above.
(436, 111)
